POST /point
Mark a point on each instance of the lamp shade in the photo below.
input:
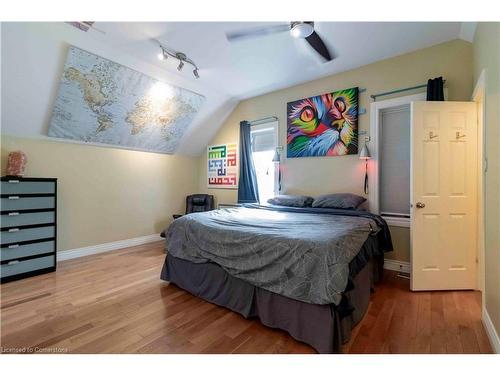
(365, 153)
(276, 157)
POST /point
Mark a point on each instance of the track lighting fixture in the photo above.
(183, 59)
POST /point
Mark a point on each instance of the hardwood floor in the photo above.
(116, 303)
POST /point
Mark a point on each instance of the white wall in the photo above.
(487, 58)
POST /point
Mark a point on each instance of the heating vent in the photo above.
(83, 25)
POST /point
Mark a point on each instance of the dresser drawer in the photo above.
(16, 202)
(13, 236)
(15, 251)
(14, 219)
(28, 187)
(23, 266)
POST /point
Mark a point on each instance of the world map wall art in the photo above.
(222, 166)
(100, 101)
(323, 125)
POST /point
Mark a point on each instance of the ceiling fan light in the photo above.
(301, 30)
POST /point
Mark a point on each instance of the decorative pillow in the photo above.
(341, 200)
(291, 200)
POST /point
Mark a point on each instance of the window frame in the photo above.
(275, 125)
(376, 109)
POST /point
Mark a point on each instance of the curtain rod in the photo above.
(263, 120)
(375, 96)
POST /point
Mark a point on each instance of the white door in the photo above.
(443, 195)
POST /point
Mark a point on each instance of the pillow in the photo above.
(341, 200)
(291, 200)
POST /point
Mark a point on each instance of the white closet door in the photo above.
(444, 195)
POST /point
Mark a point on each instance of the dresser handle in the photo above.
(13, 181)
(13, 230)
(13, 246)
(13, 196)
(12, 262)
(13, 213)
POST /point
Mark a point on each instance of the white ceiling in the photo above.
(251, 67)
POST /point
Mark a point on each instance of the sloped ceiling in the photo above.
(234, 71)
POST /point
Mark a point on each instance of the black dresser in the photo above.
(28, 227)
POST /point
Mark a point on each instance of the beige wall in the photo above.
(314, 176)
(401, 241)
(487, 57)
(108, 194)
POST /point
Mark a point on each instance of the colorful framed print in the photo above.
(323, 125)
(222, 172)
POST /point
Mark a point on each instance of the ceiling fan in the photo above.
(298, 29)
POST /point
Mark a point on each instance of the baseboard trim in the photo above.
(396, 265)
(102, 248)
(491, 332)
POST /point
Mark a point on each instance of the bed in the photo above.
(308, 271)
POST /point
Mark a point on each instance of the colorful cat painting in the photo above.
(323, 125)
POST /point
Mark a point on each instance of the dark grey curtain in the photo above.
(435, 90)
(248, 191)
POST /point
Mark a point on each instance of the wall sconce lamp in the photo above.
(277, 161)
(277, 156)
(365, 155)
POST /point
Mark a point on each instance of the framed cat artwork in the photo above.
(323, 125)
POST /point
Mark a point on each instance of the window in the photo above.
(394, 149)
(264, 142)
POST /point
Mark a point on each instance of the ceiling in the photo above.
(251, 67)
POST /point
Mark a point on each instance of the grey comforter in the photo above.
(302, 254)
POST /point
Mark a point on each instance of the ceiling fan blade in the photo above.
(256, 32)
(315, 42)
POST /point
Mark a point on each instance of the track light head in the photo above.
(195, 72)
(162, 55)
(181, 65)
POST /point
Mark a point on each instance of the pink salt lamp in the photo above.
(16, 164)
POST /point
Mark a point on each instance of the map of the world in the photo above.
(100, 101)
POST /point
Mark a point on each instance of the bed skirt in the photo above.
(324, 327)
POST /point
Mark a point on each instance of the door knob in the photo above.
(420, 205)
